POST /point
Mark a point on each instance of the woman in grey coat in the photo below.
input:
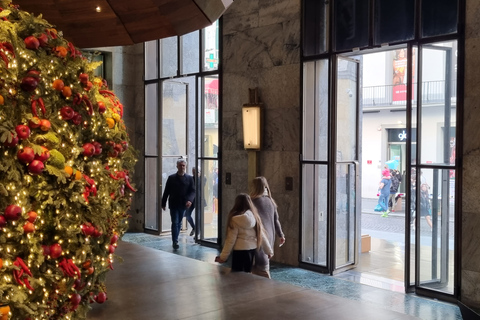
(267, 210)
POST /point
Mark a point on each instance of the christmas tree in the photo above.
(65, 167)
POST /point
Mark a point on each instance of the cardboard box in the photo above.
(366, 243)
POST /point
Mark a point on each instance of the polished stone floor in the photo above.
(155, 282)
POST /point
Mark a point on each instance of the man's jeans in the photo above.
(382, 201)
(176, 214)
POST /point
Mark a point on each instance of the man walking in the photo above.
(180, 192)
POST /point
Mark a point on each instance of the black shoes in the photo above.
(192, 232)
(175, 245)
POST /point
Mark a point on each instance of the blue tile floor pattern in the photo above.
(409, 304)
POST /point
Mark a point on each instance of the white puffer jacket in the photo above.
(243, 236)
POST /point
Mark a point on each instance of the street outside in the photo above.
(392, 228)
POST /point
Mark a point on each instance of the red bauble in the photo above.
(13, 212)
(88, 149)
(3, 221)
(12, 143)
(44, 155)
(101, 107)
(75, 299)
(45, 125)
(55, 250)
(83, 77)
(36, 167)
(77, 118)
(67, 113)
(101, 298)
(34, 122)
(32, 216)
(111, 248)
(29, 84)
(46, 250)
(98, 148)
(28, 227)
(114, 239)
(23, 131)
(26, 155)
(32, 43)
(43, 40)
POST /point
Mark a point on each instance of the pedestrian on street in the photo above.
(180, 192)
(384, 192)
(396, 180)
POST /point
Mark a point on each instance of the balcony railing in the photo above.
(433, 92)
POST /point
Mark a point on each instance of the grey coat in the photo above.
(269, 216)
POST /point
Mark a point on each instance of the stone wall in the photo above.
(470, 236)
(127, 83)
(261, 48)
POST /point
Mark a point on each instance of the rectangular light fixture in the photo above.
(251, 115)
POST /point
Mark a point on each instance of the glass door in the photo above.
(344, 219)
(434, 170)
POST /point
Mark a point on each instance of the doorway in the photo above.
(400, 127)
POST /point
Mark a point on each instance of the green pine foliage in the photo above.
(65, 169)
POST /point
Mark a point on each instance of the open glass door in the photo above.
(434, 170)
(344, 217)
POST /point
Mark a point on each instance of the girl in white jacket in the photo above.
(244, 235)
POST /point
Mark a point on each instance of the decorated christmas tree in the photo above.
(65, 168)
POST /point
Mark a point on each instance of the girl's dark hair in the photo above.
(243, 202)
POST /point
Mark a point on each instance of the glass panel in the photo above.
(209, 228)
(314, 214)
(351, 24)
(151, 122)
(315, 105)
(174, 127)
(435, 206)
(210, 47)
(315, 34)
(438, 114)
(151, 60)
(190, 53)
(439, 17)
(394, 21)
(345, 215)
(168, 57)
(210, 148)
(346, 110)
(151, 194)
(169, 166)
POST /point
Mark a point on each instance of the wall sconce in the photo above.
(252, 118)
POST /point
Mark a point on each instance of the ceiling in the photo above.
(124, 22)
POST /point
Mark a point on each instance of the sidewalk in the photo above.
(368, 204)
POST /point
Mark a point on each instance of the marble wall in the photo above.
(470, 236)
(127, 83)
(261, 49)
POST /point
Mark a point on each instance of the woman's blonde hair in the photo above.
(243, 202)
(260, 185)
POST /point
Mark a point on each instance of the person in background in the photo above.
(384, 191)
(396, 180)
(180, 192)
(244, 235)
(425, 207)
(267, 210)
(188, 213)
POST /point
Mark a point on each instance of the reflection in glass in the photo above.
(151, 60)
(315, 110)
(314, 214)
(438, 114)
(210, 47)
(346, 110)
(151, 198)
(189, 53)
(210, 138)
(316, 26)
(169, 166)
(174, 127)
(168, 57)
(151, 122)
(351, 24)
(345, 215)
(435, 207)
(394, 21)
(439, 17)
(209, 190)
